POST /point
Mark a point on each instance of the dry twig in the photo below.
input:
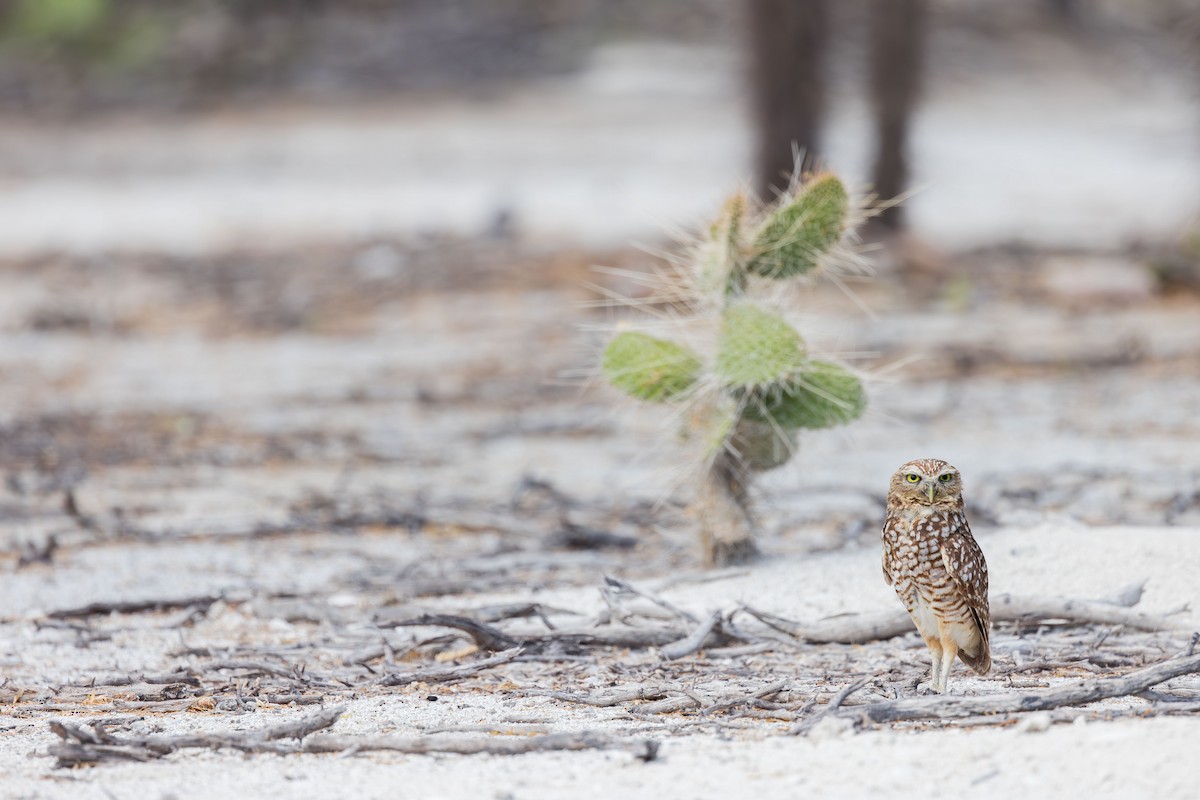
(860, 628)
(134, 607)
(443, 674)
(808, 724)
(694, 641)
(1088, 691)
(94, 744)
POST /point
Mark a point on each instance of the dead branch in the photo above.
(808, 724)
(497, 613)
(185, 676)
(604, 701)
(257, 668)
(694, 641)
(689, 699)
(559, 642)
(298, 729)
(94, 744)
(622, 587)
(860, 628)
(643, 749)
(157, 706)
(1080, 693)
(504, 729)
(443, 674)
(609, 636)
(133, 607)
(842, 629)
(1007, 608)
(669, 705)
(484, 636)
(757, 698)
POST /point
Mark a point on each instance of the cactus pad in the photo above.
(822, 395)
(648, 368)
(793, 237)
(756, 347)
(716, 258)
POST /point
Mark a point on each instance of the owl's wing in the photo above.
(887, 550)
(967, 568)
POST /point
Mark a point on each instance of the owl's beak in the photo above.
(930, 490)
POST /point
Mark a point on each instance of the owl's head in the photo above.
(926, 482)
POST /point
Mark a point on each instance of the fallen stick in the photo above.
(644, 749)
(668, 705)
(443, 674)
(1006, 607)
(686, 700)
(694, 641)
(1083, 692)
(749, 699)
(157, 706)
(94, 744)
(604, 701)
(185, 676)
(802, 728)
(256, 668)
(860, 628)
(614, 587)
(485, 637)
(133, 606)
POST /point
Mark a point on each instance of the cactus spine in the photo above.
(760, 385)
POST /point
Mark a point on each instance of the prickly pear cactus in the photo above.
(791, 240)
(651, 369)
(759, 385)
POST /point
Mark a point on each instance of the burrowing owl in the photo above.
(935, 566)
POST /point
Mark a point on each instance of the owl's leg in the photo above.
(949, 653)
(935, 671)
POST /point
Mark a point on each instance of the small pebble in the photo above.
(1035, 723)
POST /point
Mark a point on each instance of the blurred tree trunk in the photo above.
(787, 44)
(897, 47)
(722, 511)
(1066, 11)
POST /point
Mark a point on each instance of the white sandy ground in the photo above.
(1128, 758)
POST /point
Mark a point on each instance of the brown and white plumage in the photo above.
(938, 571)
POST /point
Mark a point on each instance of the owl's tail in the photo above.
(981, 660)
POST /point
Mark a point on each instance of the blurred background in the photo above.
(273, 267)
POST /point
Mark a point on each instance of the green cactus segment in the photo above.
(717, 269)
(648, 368)
(756, 347)
(760, 446)
(822, 395)
(727, 227)
(792, 239)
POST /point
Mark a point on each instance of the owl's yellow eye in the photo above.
(945, 478)
(912, 477)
